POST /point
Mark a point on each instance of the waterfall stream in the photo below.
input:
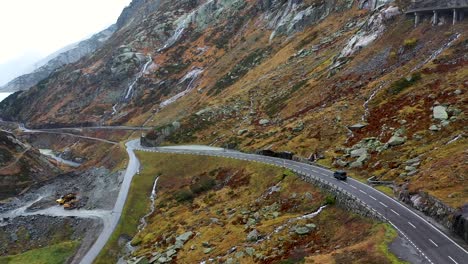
(139, 75)
(283, 226)
(132, 85)
(192, 76)
(435, 54)
(143, 222)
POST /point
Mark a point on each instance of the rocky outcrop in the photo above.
(21, 166)
(455, 220)
(286, 18)
(155, 137)
(71, 54)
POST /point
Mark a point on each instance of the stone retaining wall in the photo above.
(452, 219)
(343, 198)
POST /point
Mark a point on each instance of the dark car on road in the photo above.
(340, 175)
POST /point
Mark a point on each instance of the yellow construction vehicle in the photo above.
(68, 201)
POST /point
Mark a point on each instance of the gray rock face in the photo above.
(288, 17)
(264, 122)
(242, 132)
(440, 112)
(356, 164)
(395, 141)
(358, 152)
(301, 230)
(184, 237)
(357, 126)
(65, 56)
(253, 236)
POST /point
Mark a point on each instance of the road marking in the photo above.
(392, 199)
(453, 260)
(383, 204)
(353, 186)
(433, 243)
(372, 197)
(345, 182)
(363, 191)
(395, 212)
(411, 225)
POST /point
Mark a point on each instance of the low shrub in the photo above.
(410, 43)
(330, 200)
(205, 184)
(403, 83)
(184, 196)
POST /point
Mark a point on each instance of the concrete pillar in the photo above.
(417, 18)
(435, 18)
(454, 16)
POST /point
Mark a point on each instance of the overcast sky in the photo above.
(36, 28)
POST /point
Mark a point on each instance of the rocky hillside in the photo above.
(65, 56)
(361, 87)
(21, 166)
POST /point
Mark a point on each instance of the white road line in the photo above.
(453, 260)
(345, 182)
(411, 225)
(433, 243)
(383, 204)
(372, 197)
(353, 186)
(395, 212)
(363, 191)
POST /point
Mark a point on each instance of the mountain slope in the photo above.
(54, 61)
(21, 166)
(363, 88)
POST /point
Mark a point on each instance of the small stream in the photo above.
(128, 94)
(436, 54)
(283, 226)
(192, 76)
(143, 222)
(50, 153)
(139, 75)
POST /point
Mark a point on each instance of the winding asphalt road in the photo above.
(132, 167)
(433, 245)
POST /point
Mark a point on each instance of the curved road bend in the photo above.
(45, 131)
(431, 243)
(132, 168)
(99, 128)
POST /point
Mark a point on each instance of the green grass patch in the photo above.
(403, 83)
(385, 189)
(410, 43)
(55, 254)
(136, 206)
(390, 235)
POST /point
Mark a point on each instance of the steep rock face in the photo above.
(95, 90)
(306, 76)
(21, 166)
(55, 61)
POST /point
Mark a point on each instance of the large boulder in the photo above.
(395, 141)
(358, 152)
(253, 236)
(440, 112)
(264, 122)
